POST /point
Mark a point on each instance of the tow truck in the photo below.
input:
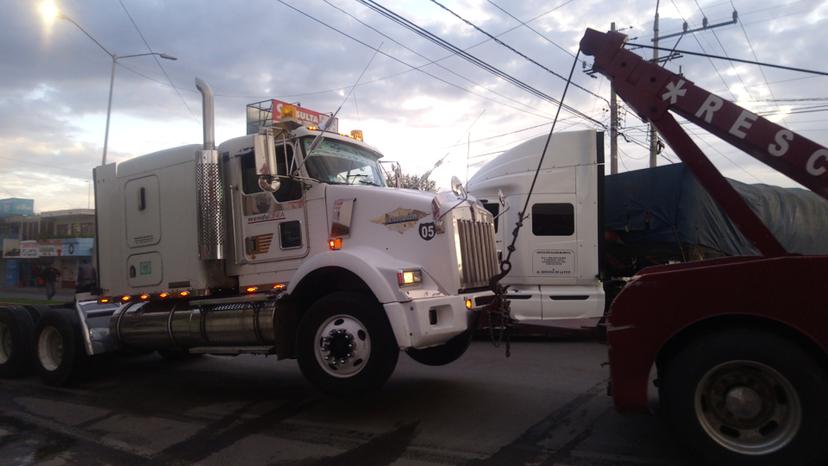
(739, 345)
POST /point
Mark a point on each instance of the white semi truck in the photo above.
(555, 276)
(287, 242)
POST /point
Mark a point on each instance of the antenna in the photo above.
(319, 137)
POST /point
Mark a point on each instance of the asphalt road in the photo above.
(545, 405)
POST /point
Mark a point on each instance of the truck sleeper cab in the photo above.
(262, 246)
(555, 278)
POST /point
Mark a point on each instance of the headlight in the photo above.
(409, 277)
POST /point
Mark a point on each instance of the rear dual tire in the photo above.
(16, 341)
(59, 353)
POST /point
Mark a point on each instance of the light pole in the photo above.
(50, 12)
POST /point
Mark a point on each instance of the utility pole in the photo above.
(613, 125)
(653, 133)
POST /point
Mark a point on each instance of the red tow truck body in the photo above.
(664, 307)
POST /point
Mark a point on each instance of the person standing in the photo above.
(87, 277)
(49, 276)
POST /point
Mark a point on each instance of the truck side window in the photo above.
(553, 219)
(289, 191)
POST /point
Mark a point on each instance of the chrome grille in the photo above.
(478, 258)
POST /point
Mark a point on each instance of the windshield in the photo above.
(338, 162)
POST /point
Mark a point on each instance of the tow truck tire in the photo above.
(345, 345)
(59, 353)
(444, 354)
(747, 397)
(16, 337)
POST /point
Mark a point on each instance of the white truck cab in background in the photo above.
(555, 277)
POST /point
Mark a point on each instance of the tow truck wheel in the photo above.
(59, 348)
(16, 335)
(444, 354)
(748, 397)
(345, 345)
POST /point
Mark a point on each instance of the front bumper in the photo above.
(425, 322)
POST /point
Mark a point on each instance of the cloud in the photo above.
(54, 90)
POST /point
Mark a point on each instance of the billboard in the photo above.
(77, 247)
(16, 206)
(303, 115)
(31, 249)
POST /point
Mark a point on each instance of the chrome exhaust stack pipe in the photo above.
(210, 195)
(208, 117)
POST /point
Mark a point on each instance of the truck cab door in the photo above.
(273, 225)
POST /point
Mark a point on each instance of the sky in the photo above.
(416, 103)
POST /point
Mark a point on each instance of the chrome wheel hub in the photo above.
(5, 343)
(50, 348)
(342, 346)
(748, 407)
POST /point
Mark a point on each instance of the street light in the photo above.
(50, 12)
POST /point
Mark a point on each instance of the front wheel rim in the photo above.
(6, 344)
(50, 348)
(342, 346)
(748, 407)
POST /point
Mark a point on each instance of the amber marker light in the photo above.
(126, 298)
(335, 244)
(163, 295)
(104, 300)
(251, 289)
(144, 297)
(279, 286)
(184, 293)
(469, 304)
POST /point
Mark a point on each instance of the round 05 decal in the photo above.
(427, 231)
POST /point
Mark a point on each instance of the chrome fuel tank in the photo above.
(164, 325)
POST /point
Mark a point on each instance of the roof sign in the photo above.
(285, 110)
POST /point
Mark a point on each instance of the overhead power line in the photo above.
(721, 46)
(425, 57)
(527, 26)
(696, 38)
(751, 62)
(515, 51)
(471, 58)
(418, 68)
(157, 61)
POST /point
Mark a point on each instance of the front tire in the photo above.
(345, 345)
(748, 397)
(60, 355)
(16, 341)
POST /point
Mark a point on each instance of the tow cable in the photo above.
(498, 310)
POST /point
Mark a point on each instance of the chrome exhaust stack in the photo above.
(210, 195)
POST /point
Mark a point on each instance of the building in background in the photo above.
(63, 239)
(16, 206)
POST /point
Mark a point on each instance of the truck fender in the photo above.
(375, 268)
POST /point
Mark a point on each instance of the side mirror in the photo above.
(504, 205)
(457, 188)
(264, 150)
(269, 183)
